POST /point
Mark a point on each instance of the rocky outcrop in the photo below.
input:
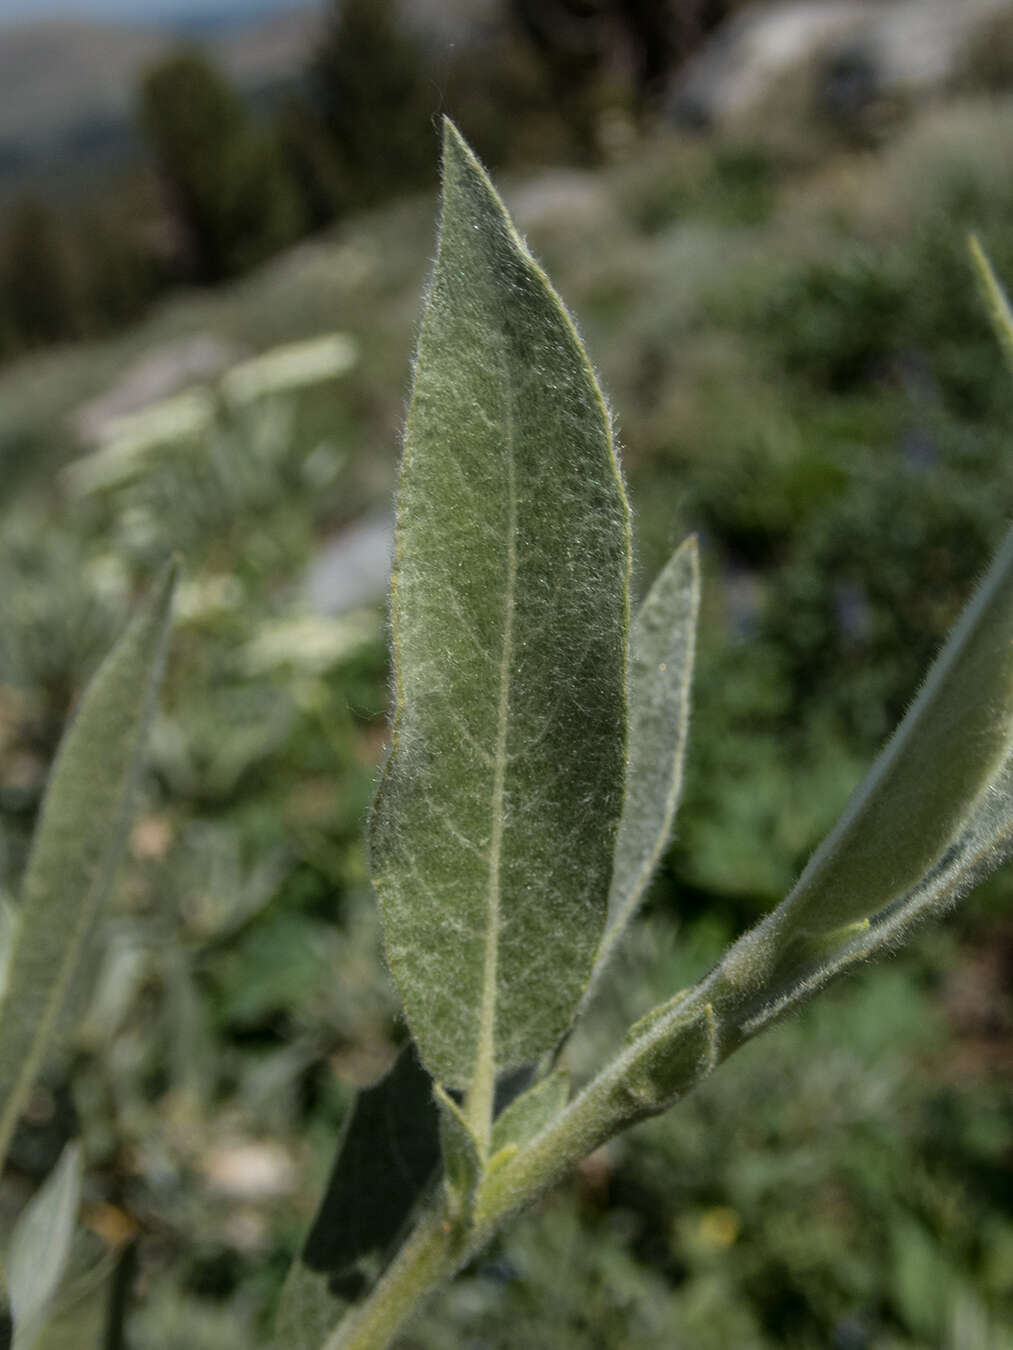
(855, 50)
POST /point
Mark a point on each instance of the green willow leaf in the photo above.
(77, 845)
(40, 1246)
(528, 1113)
(462, 1159)
(661, 668)
(932, 818)
(494, 824)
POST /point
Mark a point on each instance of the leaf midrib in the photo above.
(483, 1080)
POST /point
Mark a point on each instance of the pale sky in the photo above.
(136, 11)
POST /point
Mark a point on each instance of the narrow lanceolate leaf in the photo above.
(40, 1246)
(933, 817)
(494, 824)
(77, 845)
(996, 300)
(661, 668)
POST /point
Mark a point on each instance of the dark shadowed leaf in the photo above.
(387, 1153)
(6, 1320)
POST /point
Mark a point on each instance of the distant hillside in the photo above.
(67, 110)
(61, 74)
(68, 85)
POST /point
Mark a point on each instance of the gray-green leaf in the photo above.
(40, 1246)
(8, 932)
(531, 1111)
(494, 823)
(77, 845)
(947, 749)
(661, 668)
(462, 1158)
(933, 817)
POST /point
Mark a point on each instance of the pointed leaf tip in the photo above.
(455, 144)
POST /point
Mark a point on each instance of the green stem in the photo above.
(617, 1098)
(428, 1258)
(665, 1056)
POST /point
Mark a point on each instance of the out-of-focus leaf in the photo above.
(6, 1320)
(996, 300)
(494, 824)
(661, 668)
(40, 1246)
(77, 845)
(8, 932)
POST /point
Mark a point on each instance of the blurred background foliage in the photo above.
(207, 344)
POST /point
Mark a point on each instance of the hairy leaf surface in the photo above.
(531, 1111)
(461, 1152)
(77, 845)
(661, 668)
(494, 824)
